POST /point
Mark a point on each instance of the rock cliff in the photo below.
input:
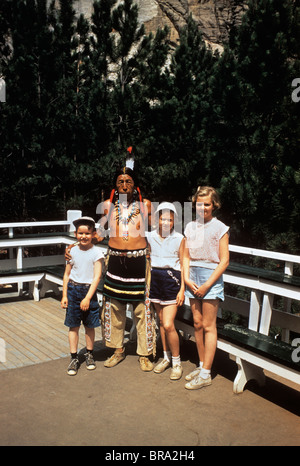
(214, 17)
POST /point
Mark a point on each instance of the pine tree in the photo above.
(26, 73)
(255, 143)
(97, 95)
(136, 64)
(127, 34)
(180, 117)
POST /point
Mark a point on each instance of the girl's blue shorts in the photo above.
(200, 275)
(74, 315)
(165, 285)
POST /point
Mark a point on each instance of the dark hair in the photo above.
(86, 223)
(137, 196)
(125, 171)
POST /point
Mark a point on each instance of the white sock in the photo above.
(176, 361)
(204, 373)
(200, 364)
(167, 355)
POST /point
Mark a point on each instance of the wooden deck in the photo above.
(33, 332)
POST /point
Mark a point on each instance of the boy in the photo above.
(81, 278)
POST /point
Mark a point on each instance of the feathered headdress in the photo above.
(129, 164)
(129, 158)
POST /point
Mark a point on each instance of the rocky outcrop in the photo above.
(214, 17)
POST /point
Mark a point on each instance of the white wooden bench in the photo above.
(31, 275)
(21, 274)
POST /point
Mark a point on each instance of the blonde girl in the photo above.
(206, 257)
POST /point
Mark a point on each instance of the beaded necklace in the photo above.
(127, 218)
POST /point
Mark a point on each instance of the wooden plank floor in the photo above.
(33, 332)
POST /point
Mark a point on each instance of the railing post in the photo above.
(19, 257)
(19, 266)
(254, 309)
(266, 313)
(10, 235)
(73, 215)
(287, 302)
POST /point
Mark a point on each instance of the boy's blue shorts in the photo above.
(74, 315)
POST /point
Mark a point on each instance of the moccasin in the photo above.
(145, 364)
(115, 359)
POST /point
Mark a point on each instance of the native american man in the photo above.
(127, 277)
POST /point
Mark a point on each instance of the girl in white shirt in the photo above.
(206, 257)
(167, 285)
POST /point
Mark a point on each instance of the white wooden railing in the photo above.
(266, 294)
(71, 215)
(15, 243)
(262, 290)
(288, 259)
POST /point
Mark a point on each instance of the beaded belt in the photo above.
(136, 253)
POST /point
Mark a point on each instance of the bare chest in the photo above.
(126, 222)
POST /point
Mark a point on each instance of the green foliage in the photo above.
(79, 93)
(263, 118)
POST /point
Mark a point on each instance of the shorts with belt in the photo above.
(165, 285)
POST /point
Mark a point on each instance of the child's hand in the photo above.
(85, 304)
(64, 303)
(98, 238)
(201, 291)
(180, 298)
(192, 285)
(68, 256)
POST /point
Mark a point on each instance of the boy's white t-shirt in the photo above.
(165, 252)
(203, 242)
(82, 263)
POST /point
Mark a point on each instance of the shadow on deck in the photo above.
(123, 406)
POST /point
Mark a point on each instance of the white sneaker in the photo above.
(193, 374)
(198, 382)
(176, 372)
(162, 366)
